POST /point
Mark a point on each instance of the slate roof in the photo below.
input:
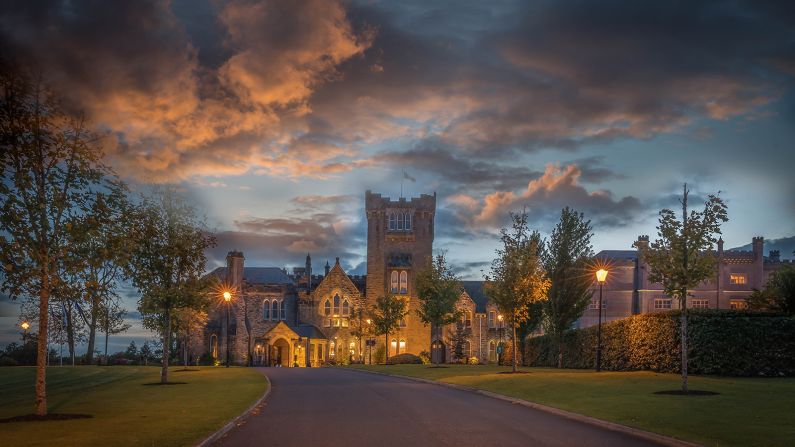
(258, 275)
(309, 331)
(617, 254)
(475, 291)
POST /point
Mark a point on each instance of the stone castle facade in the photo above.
(303, 319)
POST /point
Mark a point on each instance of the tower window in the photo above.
(392, 221)
(400, 221)
(408, 221)
(336, 304)
(394, 282)
(404, 282)
(737, 278)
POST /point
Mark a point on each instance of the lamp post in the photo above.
(500, 347)
(228, 299)
(601, 276)
(25, 325)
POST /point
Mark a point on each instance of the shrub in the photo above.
(380, 355)
(405, 359)
(736, 343)
(474, 361)
(425, 357)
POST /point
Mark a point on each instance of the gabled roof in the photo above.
(475, 291)
(617, 254)
(258, 275)
(309, 331)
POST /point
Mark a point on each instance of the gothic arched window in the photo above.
(327, 308)
(404, 282)
(392, 221)
(346, 308)
(336, 304)
(284, 312)
(400, 221)
(394, 282)
(492, 351)
(275, 310)
(408, 221)
(266, 310)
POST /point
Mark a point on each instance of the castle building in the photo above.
(297, 318)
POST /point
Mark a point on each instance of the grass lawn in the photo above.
(126, 412)
(748, 411)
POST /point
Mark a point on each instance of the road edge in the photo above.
(651, 436)
(208, 441)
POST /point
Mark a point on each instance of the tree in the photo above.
(682, 257)
(112, 322)
(438, 290)
(386, 315)
(360, 325)
(168, 263)
(189, 321)
(459, 339)
(517, 278)
(145, 353)
(131, 353)
(50, 164)
(566, 256)
(779, 293)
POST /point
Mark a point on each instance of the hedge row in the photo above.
(734, 343)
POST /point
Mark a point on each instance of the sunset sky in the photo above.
(277, 116)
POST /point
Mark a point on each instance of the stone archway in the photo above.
(280, 353)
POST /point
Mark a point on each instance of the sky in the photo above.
(276, 116)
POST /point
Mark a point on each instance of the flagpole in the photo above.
(401, 183)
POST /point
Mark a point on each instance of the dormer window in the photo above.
(392, 221)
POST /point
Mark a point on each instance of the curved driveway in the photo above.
(337, 407)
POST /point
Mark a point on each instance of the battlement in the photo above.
(375, 201)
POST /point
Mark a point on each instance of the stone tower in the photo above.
(400, 244)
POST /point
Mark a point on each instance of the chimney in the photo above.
(234, 269)
(308, 272)
(328, 267)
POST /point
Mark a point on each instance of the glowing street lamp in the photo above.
(601, 277)
(228, 298)
(25, 325)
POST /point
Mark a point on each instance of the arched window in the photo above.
(392, 221)
(404, 282)
(266, 310)
(284, 312)
(492, 317)
(408, 221)
(394, 346)
(346, 308)
(394, 282)
(332, 345)
(400, 221)
(275, 310)
(402, 346)
(214, 345)
(336, 304)
(327, 308)
(492, 351)
(467, 319)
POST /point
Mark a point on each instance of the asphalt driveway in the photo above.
(338, 407)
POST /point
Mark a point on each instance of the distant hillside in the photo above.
(785, 245)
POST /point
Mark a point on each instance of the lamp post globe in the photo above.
(601, 277)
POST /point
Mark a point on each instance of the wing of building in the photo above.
(296, 318)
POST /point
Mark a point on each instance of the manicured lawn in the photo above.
(748, 411)
(126, 412)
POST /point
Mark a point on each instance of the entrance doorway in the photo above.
(280, 353)
(438, 352)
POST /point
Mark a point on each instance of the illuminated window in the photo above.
(336, 322)
(327, 322)
(331, 347)
(392, 221)
(352, 348)
(344, 322)
(274, 310)
(664, 303)
(214, 346)
(346, 308)
(394, 281)
(400, 221)
(408, 221)
(266, 310)
(336, 304)
(737, 278)
(492, 351)
(466, 319)
(595, 304)
(699, 304)
(738, 304)
(394, 345)
(327, 308)
(492, 319)
(404, 282)
(402, 346)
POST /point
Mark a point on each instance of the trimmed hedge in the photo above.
(404, 359)
(731, 343)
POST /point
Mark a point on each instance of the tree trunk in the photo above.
(513, 348)
(106, 347)
(41, 350)
(386, 348)
(92, 330)
(70, 334)
(560, 352)
(185, 350)
(166, 348)
(683, 336)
